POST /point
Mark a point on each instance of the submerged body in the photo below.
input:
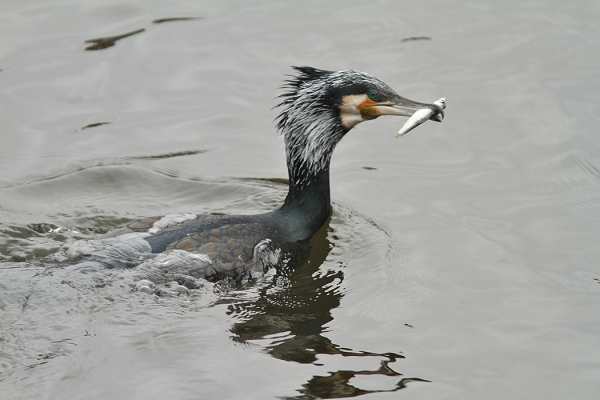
(319, 108)
(232, 246)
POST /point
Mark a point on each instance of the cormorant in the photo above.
(318, 108)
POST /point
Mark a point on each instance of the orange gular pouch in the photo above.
(367, 111)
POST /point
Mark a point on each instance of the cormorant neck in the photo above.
(306, 207)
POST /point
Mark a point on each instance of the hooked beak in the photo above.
(406, 108)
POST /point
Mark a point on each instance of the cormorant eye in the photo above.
(373, 95)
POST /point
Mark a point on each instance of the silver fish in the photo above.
(419, 117)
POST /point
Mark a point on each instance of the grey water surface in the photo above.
(462, 261)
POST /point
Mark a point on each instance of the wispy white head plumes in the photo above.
(311, 121)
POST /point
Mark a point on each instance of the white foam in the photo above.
(170, 220)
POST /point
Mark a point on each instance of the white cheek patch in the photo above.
(349, 112)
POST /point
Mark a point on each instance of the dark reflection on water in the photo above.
(336, 386)
(296, 309)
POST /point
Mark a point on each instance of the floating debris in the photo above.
(161, 20)
(103, 43)
(413, 38)
(94, 125)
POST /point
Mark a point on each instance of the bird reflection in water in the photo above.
(293, 312)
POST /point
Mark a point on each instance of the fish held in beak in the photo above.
(422, 115)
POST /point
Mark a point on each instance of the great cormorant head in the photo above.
(353, 95)
(320, 107)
